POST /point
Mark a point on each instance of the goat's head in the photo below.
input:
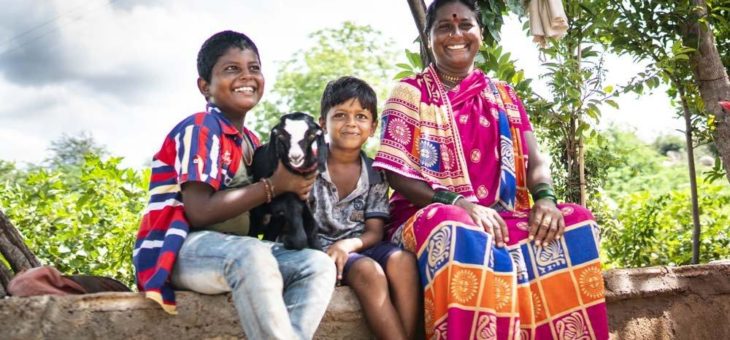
(298, 143)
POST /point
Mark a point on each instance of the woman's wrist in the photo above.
(544, 191)
(445, 197)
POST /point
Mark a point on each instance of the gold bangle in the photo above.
(268, 189)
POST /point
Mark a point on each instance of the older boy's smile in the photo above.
(245, 89)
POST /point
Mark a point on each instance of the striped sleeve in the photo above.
(198, 150)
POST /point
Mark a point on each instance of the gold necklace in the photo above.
(450, 77)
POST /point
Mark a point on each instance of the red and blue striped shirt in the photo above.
(204, 147)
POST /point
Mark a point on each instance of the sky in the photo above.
(123, 71)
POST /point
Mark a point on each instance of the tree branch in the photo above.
(13, 248)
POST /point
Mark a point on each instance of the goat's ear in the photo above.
(321, 151)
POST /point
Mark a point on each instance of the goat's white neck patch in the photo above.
(297, 129)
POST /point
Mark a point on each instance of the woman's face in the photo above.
(455, 38)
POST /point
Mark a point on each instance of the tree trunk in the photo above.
(692, 175)
(5, 276)
(712, 79)
(582, 172)
(12, 247)
(418, 10)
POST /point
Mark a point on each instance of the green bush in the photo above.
(79, 218)
(656, 228)
(653, 211)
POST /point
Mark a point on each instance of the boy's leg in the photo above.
(309, 280)
(212, 263)
(402, 273)
(366, 277)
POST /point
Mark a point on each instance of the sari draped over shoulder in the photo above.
(470, 140)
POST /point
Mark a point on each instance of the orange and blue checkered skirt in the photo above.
(474, 290)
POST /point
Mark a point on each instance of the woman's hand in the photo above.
(285, 181)
(488, 219)
(339, 252)
(546, 222)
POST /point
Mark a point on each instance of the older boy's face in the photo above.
(236, 82)
(349, 125)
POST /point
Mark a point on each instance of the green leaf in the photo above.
(612, 103)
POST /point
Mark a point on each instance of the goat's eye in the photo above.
(281, 137)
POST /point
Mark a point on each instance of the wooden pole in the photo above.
(418, 10)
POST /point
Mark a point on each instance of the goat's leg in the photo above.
(278, 220)
(293, 235)
(311, 228)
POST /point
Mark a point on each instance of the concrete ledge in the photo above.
(690, 302)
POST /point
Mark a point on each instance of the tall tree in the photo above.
(70, 150)
(351, 49)
(709, 73)
(668, 35)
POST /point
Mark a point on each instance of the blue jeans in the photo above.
(278, 293)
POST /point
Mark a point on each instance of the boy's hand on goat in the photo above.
(339, 252)
(285, 181)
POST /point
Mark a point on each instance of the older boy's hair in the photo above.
(217, 45)
(345, 88)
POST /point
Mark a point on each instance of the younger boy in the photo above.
(350, 200)
(193, 233)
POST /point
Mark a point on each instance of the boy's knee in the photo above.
(366, 271)
(401, 260)
(251, 255)
(317, 262)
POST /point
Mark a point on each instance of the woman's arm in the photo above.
(417, 192)
(538, 170)
(546, 222)
(421, 194)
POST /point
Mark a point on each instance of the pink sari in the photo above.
(470, 140)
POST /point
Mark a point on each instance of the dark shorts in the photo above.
(379, 252)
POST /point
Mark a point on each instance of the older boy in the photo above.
(193, 233)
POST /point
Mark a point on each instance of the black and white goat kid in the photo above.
(296, 141)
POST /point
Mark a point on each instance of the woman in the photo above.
(455, 147)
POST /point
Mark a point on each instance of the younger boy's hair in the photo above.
(217, 45)
(346, 88)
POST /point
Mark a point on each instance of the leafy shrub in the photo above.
(81, 218)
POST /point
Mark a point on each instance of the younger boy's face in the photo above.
(349, 125)
(236, 82)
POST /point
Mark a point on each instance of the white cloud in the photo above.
(126, 73)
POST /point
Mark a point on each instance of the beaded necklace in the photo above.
(248, 149)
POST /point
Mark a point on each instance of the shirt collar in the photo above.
(227, 126)
(374, 177)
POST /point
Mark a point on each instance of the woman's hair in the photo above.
(217, 45)
(436, 4)
(345, 88)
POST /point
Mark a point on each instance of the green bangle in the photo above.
(540, 187)
(445, 197)
(545, 193)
